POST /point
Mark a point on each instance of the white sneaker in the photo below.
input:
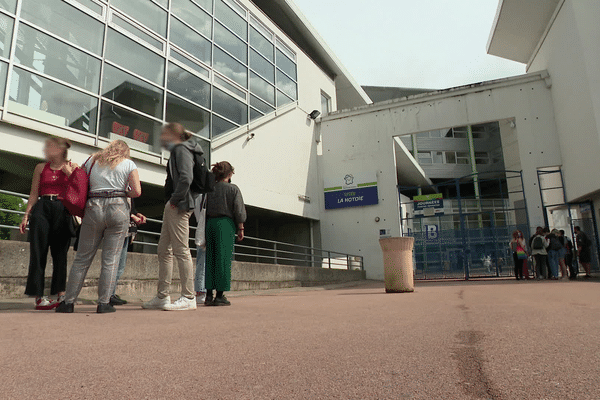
(181, 304)
(156, 303)
(200, 299)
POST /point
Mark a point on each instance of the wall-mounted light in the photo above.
(314, 114)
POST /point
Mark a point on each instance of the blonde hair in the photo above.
(113, 154)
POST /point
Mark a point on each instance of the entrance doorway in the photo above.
(463, 233)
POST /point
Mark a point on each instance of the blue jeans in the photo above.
(122, 263)
(553, 260)
(199, 281)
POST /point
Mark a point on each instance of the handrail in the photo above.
(290, 253)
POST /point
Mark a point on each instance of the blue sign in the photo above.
(362, 196)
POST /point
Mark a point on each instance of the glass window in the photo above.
(137, 32)
(190, 41)
(423, 135)
(424, 157)
(6, 32)
(262, 88)
(89, 4)
(188, 85)
(482, 158)
(450, 157)
(126, 89)
(261, 44)
(262, 66)
(189, 12)
(146, 12)
(231, 43)
(231, 19)
(230, 87)
(285, 50)
(195, 119)
(139, 132)
(325, 105)
(220, 126)
(3, 76)
(66, 21)
(9, 5)
(254, 114)
(463, 158)
(438, 157)
(55, 58)
(186, 61)
(286, 85)
(231, 68)
(44, 100)
(261, 105)
(286, 65)
(229, 107)
(282, 99)
(135, 57)
(435, 134)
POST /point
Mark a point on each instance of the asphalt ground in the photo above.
(450, 340)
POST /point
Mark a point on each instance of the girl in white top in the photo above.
(113, 177)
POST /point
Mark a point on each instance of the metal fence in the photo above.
(251, 249)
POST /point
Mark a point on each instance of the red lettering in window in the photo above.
(120, 129)
(141, 136)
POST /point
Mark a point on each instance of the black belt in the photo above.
(51, 197)
(108, 194)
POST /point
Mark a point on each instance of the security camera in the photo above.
(250, 136)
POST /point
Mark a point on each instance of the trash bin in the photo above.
(398, 264)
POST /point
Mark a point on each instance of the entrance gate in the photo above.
(467, 233)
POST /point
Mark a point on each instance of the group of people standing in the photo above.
(552, 253)
(110, 222)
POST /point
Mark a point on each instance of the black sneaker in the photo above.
(221, 301)
(209, 301)
(105, 308)
(65, 308)
(115, 300)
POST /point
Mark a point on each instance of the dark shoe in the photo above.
(587, 277)
(65, 308)
(221, 301)
(105, 308)
(115, 300)
(209, 301)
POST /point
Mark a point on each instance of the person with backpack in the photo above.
(584, 250)
(554, 253)
(519, 251)
(539, 246)
(569, 255)
(174, 239)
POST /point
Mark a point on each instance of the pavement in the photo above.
(495, 339)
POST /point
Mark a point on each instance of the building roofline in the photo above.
(441, 94)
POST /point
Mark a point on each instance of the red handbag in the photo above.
(75, 195)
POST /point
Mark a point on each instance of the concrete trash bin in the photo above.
(398, 264)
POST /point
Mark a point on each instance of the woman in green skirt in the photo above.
(225, 217)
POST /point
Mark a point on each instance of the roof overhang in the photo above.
(408, 170)
(519, 27)
(290, 20)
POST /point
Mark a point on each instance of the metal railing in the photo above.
(251, 249)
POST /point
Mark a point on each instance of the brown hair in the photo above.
(222, 170)
(178, 130)
(113, 154)
(63, 143)
(517, 234)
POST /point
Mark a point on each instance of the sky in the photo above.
(432, 44)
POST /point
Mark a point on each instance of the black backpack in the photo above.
(538, 243)
(555, 243)
(204, 180)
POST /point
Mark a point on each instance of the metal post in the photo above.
(348, 261)
(463, 230)
(329, 258)
(275, 252)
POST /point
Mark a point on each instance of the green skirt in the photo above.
(220, 240)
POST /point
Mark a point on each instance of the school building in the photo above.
(319, 163)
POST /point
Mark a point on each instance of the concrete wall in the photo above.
(140, 276)
(571, 54)
(362, 140)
